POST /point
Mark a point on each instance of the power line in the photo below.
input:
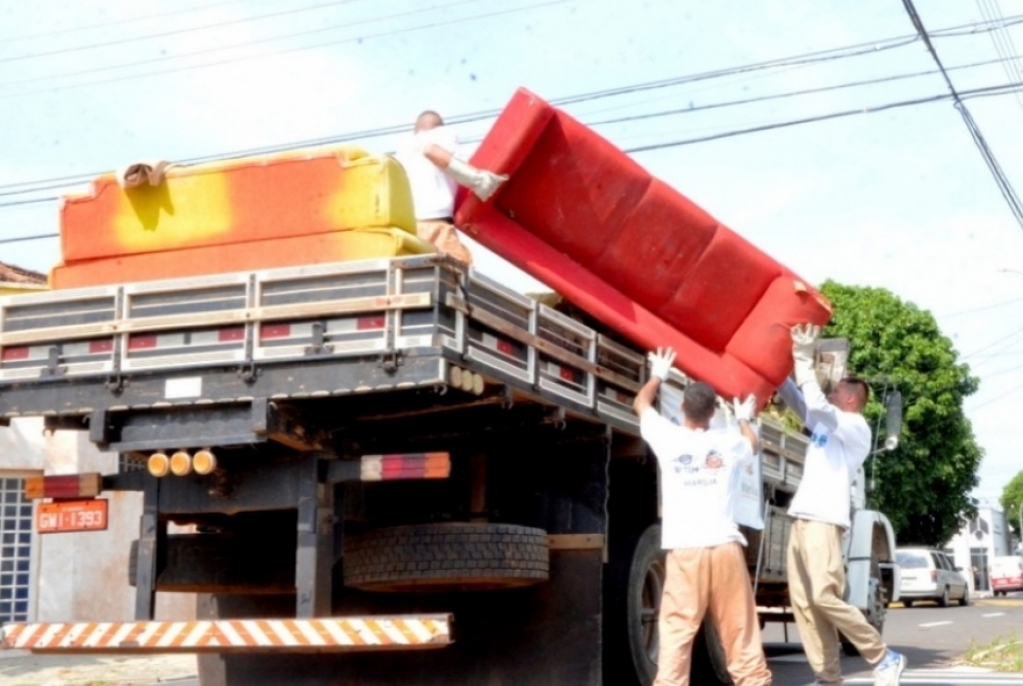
(978, 138)
(1002, 89)
(797, 60)
(175, 32)
(1009, 392)
(1004, 46)
(1005, 88)
(245, 58)
(790, 94)
(35, 237)
(982, 308)
(119, 22)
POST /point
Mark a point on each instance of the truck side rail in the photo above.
(339, 315)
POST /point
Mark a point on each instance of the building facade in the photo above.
(984, 537)
(66, 576)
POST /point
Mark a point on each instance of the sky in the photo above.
(893, 197)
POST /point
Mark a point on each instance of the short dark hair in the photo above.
(862, 386)
(431, 113)
(698, 401)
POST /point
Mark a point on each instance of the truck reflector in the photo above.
(401, 632)
(69, 486)
(269, 331)
(141, 342)
(101, 345)
(11, 354)
(405, 466)
(235, 333)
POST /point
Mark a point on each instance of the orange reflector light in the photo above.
(405, 466)
(60, 487)
(158, 465)
(181, 463)
(204, 462)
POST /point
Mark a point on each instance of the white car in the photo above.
(930, 575)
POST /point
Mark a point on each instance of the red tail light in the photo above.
(69, 486)
(934, 575)
(406, 466)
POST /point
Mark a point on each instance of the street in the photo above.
(932, 638)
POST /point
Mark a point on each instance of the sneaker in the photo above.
(889, 670)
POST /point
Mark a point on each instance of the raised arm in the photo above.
(794, 400)
(660, 365)
(744, 416)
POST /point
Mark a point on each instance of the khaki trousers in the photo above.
(816, 587)
(444, 237)
(715, 581)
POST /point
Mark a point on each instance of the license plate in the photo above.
(71, 515)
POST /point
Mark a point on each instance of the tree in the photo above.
(1012, 501)
(923, 485)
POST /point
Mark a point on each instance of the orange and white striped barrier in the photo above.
(332, 634)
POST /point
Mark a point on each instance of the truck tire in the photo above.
(641, 577)
(643, 583)
(446, 557)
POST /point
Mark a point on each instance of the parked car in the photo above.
(1006, 574)
(930, 575)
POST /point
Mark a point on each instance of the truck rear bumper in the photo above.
(329, 634)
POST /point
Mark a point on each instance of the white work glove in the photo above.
(804, 338)
(480, 181)
(744, 409)
(660, 362)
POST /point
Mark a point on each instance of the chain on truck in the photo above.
(397, 470)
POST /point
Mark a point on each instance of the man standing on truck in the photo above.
(705, 564)
(434, 172)
(839, 443)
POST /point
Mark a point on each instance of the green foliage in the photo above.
(1003, 654)
(923, 486)
(1012, 500)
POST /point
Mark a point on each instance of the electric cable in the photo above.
(1002, 89)
(176, 32)
(1002, 40)
(118, 22)
(798, 60)
(272, 53)
(1004, 185)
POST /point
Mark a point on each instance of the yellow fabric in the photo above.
(376, 192)
(239, 201)
(364, 244)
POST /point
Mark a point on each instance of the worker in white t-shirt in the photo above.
(705, 564)
(839, 443)
(429, 159)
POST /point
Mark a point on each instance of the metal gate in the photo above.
(16, 551)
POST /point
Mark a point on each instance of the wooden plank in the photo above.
(546, 347)
(209, 319)
(575, 541)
